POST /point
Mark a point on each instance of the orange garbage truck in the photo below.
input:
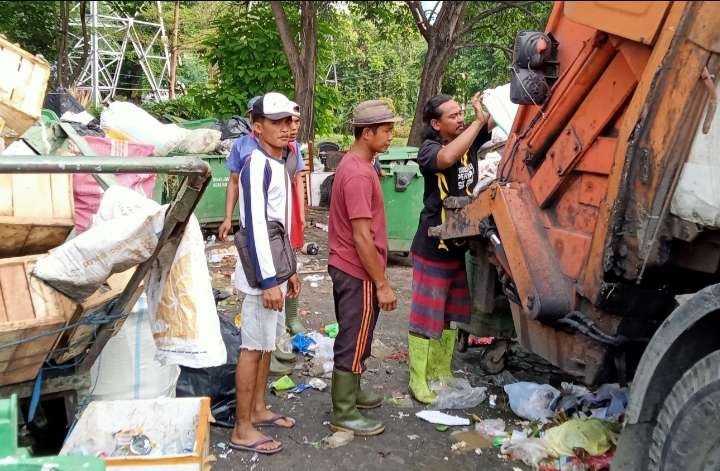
(602, 227)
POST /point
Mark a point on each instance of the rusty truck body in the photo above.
(605, 211)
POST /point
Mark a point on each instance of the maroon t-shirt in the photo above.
(356, 194)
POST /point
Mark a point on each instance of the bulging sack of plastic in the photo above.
(457, 394)
(126, 367)
(126, 235)
(532, 401)
(199, 141)
(183, 316)
(140, 126)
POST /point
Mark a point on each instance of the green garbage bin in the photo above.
(402, 185)
(210, 210)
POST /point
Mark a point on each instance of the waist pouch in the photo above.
(283, 255)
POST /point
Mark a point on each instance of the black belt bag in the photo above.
(282, 254)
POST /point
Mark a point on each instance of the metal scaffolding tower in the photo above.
(112, 36)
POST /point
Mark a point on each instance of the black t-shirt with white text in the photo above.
(457, 180)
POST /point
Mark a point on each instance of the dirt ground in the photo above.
(408, 442)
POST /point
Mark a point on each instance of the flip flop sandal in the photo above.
(255, 446)
(273, 422)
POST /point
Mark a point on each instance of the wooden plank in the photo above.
(3, 313)
(23, 76)
(14, 285)
(43, 238)
(32, 196)
(61, 195)
(6, 195)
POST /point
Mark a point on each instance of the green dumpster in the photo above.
(210, 210)
(402, 185)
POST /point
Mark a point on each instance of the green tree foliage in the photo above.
(484, 62)
(33, 25)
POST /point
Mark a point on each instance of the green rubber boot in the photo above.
(277, 368)
(440, 356)
(291, 317)
(418, 352)
(286, 357)
(345, 415)
(368, 399)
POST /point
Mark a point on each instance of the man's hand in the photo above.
(273, 299)
(225, 228)
(293, 286)
(386, 297)
(477, 104)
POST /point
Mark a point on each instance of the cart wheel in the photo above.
(494, 356)
(462, 341)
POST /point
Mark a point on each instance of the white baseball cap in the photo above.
(275, 106)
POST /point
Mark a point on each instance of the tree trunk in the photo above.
(430, 83)
(174, 51)
(62, 59)
(302, 58)
(441, 36)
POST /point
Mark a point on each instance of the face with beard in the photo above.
(451, 122)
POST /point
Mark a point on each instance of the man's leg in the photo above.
(247, 375)
(354, 312)
(273, 327)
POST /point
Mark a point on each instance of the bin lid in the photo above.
(399, 153)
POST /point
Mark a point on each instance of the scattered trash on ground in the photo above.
(401, 400)
(300, 388)
(532, 401)
(302, 343)
(314, 278)
(593, 436)
(413, 437)
(310, 248)
(440, 418)
(457, 394)
(400, 356)
(317, 383)
(441, 428)
(531, 451)
(492, 400)
(282, 384)
(472, 439)
(474, 341)
(491, 427)
(336, 440)
(332, 330)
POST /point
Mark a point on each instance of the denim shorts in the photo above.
(261, 327)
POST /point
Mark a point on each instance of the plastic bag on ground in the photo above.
(491, 427)
(530, 451)
(184, 318)
(457, 394)
(141, 127)
(592, 435)
(126, 367)
(532, 401)
(125, 236)
(323, 347)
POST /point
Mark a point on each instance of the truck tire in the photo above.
(685, 436)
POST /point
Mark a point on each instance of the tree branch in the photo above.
(505, 49)
(473, 21)
(432, 13)
(291, 50)
(421, 20)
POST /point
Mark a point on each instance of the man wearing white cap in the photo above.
(266, 273)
